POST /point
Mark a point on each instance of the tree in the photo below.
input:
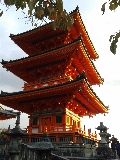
(53, 10)
(113, 5)
(42, 9)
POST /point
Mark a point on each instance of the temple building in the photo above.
(58, 74)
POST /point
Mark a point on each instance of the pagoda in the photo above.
(58, 74)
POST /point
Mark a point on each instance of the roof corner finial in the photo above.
(77, 8)
(11, 35)
(2, 61)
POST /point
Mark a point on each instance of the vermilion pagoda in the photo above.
(58, 75)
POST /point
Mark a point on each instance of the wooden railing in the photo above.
(61, 140)
(71, 129)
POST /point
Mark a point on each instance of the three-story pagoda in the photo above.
(58, 74)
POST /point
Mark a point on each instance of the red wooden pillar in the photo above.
(57, 138)
(74, 138)
(73, 127)
(64, 122)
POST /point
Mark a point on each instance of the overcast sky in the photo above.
(99, 28)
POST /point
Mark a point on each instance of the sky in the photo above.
(99, 28)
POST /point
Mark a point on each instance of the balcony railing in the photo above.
(61, 140)
(71, 129)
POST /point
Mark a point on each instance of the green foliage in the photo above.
(113, 5)
(1, 13)
(113, 46)
(114, 39)
(42, 9)
(103, 7)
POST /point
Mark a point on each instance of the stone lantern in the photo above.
(103, 132)
(103, 150)
(15, 135)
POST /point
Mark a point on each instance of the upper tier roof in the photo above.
(44, 38)
(75, 95)
(31, 67)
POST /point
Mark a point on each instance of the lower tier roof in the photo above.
(75, 95)
(6, 114)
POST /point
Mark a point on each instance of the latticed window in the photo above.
(35, 121)
(58, 119)
(73, 122)
(68, 120)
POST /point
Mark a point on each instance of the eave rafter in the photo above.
(39, 39)
(77, 107)
(86, 102)
(24, 65)
(92, 99)
(82, 62)
(30, 41)
(29, 69)
(81, 29)
(42, 105)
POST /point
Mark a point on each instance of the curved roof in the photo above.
(80, 28)
(28, 68)
(44, 37)
(6, 114)
(40, 99)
